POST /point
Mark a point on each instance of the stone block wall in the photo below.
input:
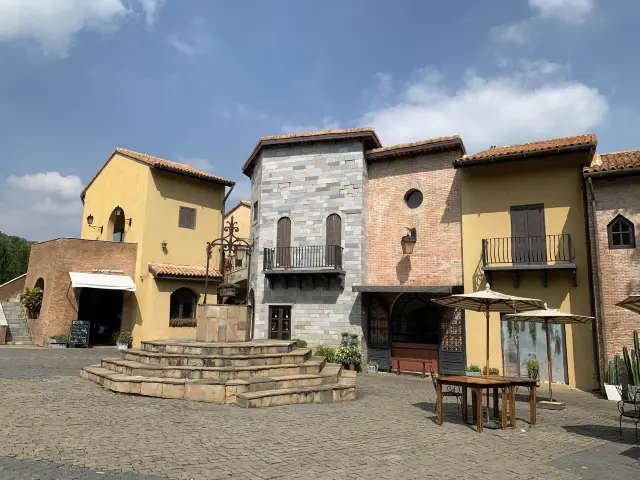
(307, 183)
(619, 268)
(53, 260)
(437, 256)
(222, 323)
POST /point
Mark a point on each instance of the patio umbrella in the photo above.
(632, 302)
(488, 301)
(549, 316)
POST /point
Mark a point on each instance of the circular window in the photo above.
(413, 198)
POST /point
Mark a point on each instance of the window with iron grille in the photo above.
(187, 218)
(621, 233)
(255, 211)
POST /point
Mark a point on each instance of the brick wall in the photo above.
(53, 260)
(12, 288)
(437, 256)
(620, 268)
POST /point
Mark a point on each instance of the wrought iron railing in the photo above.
(529, 250)
(307, 257)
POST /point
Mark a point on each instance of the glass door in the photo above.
(280, 322)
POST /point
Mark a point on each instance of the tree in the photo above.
(14, 256)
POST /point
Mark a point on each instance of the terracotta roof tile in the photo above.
(367, 133)
(163, 164)
(614, 162)
(172, 270)
(417, 145)
(240, 203)
(588, 140)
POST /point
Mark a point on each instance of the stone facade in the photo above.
(437, 256)
(307, 183)
(618, 275)
(53, 260)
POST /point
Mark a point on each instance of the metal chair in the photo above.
(629, 407)
(449, 391)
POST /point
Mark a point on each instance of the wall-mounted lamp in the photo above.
(118, 211)
(164, 244)
(90, 223)
(409, 241)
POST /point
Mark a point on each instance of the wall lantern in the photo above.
(90, 223)
(409, 241)
(164, 244)
(240, 253)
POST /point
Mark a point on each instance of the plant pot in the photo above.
(613, 392)
(372, 368)
(349, 366)
(471, 374)
(122, 346)
(57, 345)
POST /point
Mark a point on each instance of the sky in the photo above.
(200, 81)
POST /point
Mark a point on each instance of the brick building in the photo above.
(613, 186)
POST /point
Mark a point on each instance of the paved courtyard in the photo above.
(54, 425)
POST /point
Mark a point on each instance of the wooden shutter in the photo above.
(528, 244)
(187, 218)
(334, 239)
(283, 243)
(536, 232)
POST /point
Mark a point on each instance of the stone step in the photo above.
(299, 355)
(132, 368)
(187, 347)
(215, 391)
(19, 342)
(316, 394)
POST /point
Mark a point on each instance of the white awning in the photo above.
(100, 280)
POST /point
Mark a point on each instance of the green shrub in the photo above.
(533, 369)
(492, 371)
(62, 338)
(300, 343)
(348, 355)
(31, 299)
(328, 352)
(473, 368)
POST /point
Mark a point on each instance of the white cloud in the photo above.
(518, 32)
(54, 24)
(197, 162)
(328, 123)
(194, 40)
(532, 102)
(571, 11)
(41, 206)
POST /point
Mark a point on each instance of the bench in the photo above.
(425, 365)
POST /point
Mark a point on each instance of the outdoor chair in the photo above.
(629, 407)
(449, 391)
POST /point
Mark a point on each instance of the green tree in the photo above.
(14, 256)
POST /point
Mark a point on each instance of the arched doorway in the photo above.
(117, 224)
(103, 308)
(415, 331)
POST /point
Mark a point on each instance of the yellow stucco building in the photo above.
(170, 211)
(524, 231)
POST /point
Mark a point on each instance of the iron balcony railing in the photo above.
(529, 250)
(308, 257)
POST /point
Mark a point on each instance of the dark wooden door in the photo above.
(334, 239)
(280, 323)
(283, 243)
(528, 244)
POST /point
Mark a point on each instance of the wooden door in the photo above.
(280, 322)
(528, 243)
(334, 240)
(283, 243)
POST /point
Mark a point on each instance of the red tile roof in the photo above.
(416, 147)
(243, 203)
(172, 270)
(587, 141)
(366, 133)
(614, 162)
(162, 164)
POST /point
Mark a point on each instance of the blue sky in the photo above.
(199, 81)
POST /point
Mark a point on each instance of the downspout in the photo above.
(224, 212)
(601, 344)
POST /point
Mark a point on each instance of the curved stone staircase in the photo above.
(248, 374)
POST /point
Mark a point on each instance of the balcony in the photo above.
(542, 254)
(298, 263)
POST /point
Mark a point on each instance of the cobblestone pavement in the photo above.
(55, 425)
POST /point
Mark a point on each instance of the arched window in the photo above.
(183, 304)
(334, 240)
(117, 221)
(39, 284)
(621, 233)
(283, 243)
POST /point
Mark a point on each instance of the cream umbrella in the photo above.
(549, 316)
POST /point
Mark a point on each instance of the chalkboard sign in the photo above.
(80, 333)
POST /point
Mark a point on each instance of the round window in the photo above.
(413, 198)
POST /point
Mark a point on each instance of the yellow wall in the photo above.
(242, 216)
(152, 199)
(488, 192)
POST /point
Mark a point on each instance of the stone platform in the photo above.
(247, 374)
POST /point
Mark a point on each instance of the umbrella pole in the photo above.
(546, 324)
(487, 314)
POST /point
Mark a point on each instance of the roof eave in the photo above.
(184, 277)
(221, 181)
(522, 156)
(415, 150)
(618, 172)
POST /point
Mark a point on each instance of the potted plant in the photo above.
(632, 365)
(59, 341)
(472, 371)
(613, 385)
(492, 371)
(349, 357)
(31, 300)
(533, 369)
(123, 340)
(328, 352)
(372, 367)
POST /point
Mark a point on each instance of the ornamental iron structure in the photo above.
(229, 245)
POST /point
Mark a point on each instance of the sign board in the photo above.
(227, 292)
(80, 333)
